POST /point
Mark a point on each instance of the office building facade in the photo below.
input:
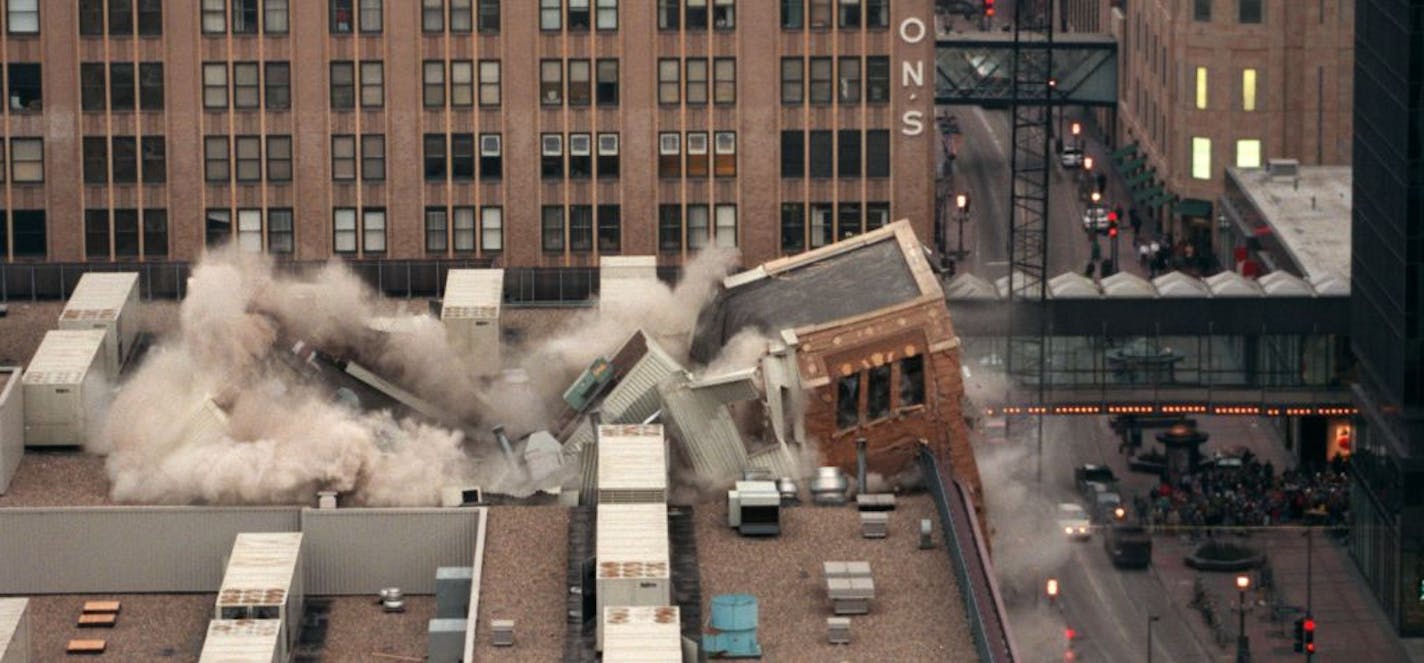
(531, 133)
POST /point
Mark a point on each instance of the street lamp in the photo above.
(961, 201)
(1151, 619)
(1096, 196)
(1243, 646)
(1051, 589)
(1087, 163)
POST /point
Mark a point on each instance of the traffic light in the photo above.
(1298, 645)
(989, 8)
(1076, 128)
(1309, 628)
(1051, 588)
(1112, 232)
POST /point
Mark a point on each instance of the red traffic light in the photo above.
(1112, 232)
(1310, 647)
(1069, 633)
(1309, 625)
(1112, 217)
(988, 7)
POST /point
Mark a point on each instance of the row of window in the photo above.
(453, 157)
(672, 148)
(120, 17)
(128, 232)
(115, 86)
(1248, 89)
(848, 14)
(462, 82)
(827, 224)
(245, 15)
(1247, 11)
(26, 234)
(243, 89)
(693, 14)
(149, 152)
(245, 159)
(588, 82)
(696, 226)
(874, 393)
(256, 232)
(843, 153)
(581, 159)
(671, 86)
(454, 229)
(433, 15)
(868, 77)
(573, 226)
(1248, 155)
(581, 15)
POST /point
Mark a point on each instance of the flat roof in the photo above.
(1310, 214)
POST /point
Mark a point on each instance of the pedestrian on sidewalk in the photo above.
(1142, 252)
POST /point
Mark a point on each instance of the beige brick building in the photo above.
(1209, 84)
(532, 132)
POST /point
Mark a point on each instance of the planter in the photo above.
(1224, 557)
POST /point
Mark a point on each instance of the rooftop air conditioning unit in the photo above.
(1285, 168)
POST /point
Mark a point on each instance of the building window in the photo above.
(696, 82)
(1248, 153)
(150, 86)
(580, 82)
(822, 224)
(280, 237)
(125, 159)
(462, 156)
(877, 13)
(246, 86)
(373, 230)
(669, 154)
(436, 164)
(823, 160)
(695, 16)
(792, 14)
(724, 14)
(849, 222)
(849, 153)
(580, 155)
(551, 82)
(343, 229)
(793, 154)
(848, 401)
(93, 86)
(1201, 10)
(912, 381)
(792, 81)
(121, 86)
(462, 83)
(274, 17)
(697, 154)
(24, 86)
(249, 158)
(669, 14)
(279, 85)
(462, 19)
(343, 158)
(552, 226)
(725, 146)
(820, 14)
(581, 228)
(877, 79)
(849, 14)
(433, 83)
(96, 160)
(489, 15)
(579, 18)
(793, 227)
(489, 83)
(23, 17)
(215, 159)
(28, 239)
(244, 17)
(850, 80)
(96, 234)
(373, 157)
(214, 17)
(669, 81)
(217, 226)
(91, 18)
(249, 230)
(491, 157)
(1201, 88)
(373, 84)
(698, 231)
(821, 80)
(491, 229)
(551, 151)
(464, 230)
(670, 228)
(877, 153)
(1201, 158)
(1248, 89)
(432, 19)
(26, 160)
(610, 228)
(877, 392)
(436, 232)
(607, 15)
(724, 81)
(607, 90)
(155, 160)
(279, 158)
(550, 17)
(726, 236)
(877, 215)
(155, 233)
(608, 155)
(343, 85)
(1249, 10)
(341, 17)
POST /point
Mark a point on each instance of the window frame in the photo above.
(279, 158)
(123, 87)
(820, 86)
(30, 162)
(345, 224)
(246, 95)
(551, 82)
(93, 92)
(369, 89)
(580, 82)
(247, 168)
(432, 92)
(724, 84)
(342, 94)
(696, 90)
(154, 169)
(551, 15)
(488, 213)
(551, 155)
(605, 92)
(669, 154)
(486, 85)
(464, 229)
(151, 97)
(30, 11)
(462, 93)
(607, 164)
(724, 154)
(551, 228)
(214, 159)
(343, 158)
(605, 9)
(338, 9)
(796, 68)
(669, 89)
(373, 160)
(435, 150)
(491, 154)
(124, 153)
(879, 153)
(277, 88)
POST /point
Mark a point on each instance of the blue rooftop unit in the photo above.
(733, 627)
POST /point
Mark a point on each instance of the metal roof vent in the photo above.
(1283, 168)
(392, 599)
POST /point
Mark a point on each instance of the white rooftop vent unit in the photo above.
(1070, 285)
(632, 558)
(1177, 284)
(1285, 284)
(470, 312)
(242, 641)
(1283, 168)
(642, 634)
(1127, 285)
(65, 388)
(1231, 284)
(107, 301)
(624, 281)
(264, 581)
(12, 425)
(632, 464)
(14, 630)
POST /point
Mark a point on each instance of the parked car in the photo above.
(1071, 157)
(1128, 545)
(1073, 520)
(1095, 219)
(1086, 475)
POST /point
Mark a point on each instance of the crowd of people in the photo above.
(1252, 495)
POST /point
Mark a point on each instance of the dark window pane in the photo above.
(126, 233)
(435, 162)
(849, 153)
(91, 18)
(150, 24)
(877, 153)
(822, 160)
(125, 160)
(93, 88)
(670, 228)
(581, 228)
(96, 160)
(793, 154)
(121, 17)
(155, 160)
(877, 393)
(552, 225)
(279, 89)
(24, 79)
(96, 234)
(462, 156)
(150, 86)
(29, 233)
(121, 86)
(609, 228)
(912, 381)
(155, 233)
(848, 401)
(793, 227)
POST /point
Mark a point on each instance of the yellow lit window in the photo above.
(1248, 89)
(1248, 153)
(1201, 158)
(1201, 88)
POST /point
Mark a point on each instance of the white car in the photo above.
(1071, 157)
(1073, 520)
(1095, 219)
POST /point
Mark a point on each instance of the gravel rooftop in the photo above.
(526, 555)
(916, 614)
